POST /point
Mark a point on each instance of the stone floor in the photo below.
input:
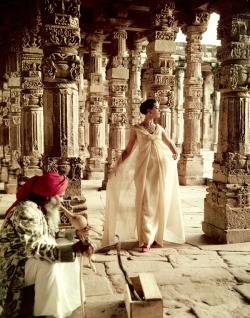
(197, 279)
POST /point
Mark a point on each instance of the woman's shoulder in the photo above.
(159, 127)
(136, 127)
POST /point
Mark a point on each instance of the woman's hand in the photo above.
(175, 156)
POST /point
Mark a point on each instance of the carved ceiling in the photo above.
(104, 15)
(133, 14)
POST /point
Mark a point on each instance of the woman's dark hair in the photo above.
(148, 104)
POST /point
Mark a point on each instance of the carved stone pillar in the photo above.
(135, 98)
(180, 72)
(208, 89)
(61, 70)
(11, 186)
(83, 151)
(12, 119)
(216, 110)
(190, 165)
(227, 204)
(32, 97)
(159, 51)
(118, 75)
(4, 133)
(95, 164)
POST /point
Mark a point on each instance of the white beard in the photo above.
(52, 212)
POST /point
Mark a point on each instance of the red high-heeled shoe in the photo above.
(145, 247)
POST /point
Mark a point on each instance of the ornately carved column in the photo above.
(12, 119)
(118, 75)
(227, 204)
(180, 72)
(216, 111)
(135, 98)
(95, 163)
(61, 70)
(190, 165)
(83, 122)
(208, 89)
(159, 51)
(32, 96)
(4, 132)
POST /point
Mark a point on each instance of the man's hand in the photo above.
(80, 247)
(82, 232)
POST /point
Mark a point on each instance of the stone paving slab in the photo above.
(194, 275)
(6, 201)
(189, 295)
(195, 260)
(244, 290)
(241, 274)
(137, 266)
(237, 259)
(96, 285)
(174, 277)
(205, 311)
(111, 306)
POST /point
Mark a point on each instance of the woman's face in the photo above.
(155, 111)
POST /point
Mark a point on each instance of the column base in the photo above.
(192, 181)
(93, 175)
(190, 170)
(231, 236)
(213, 147)
(10, 188)
(104, 184)
(94, 169)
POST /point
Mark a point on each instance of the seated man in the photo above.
(30, 255)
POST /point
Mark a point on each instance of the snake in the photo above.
(127, 279)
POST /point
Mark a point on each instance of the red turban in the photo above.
(47, 185)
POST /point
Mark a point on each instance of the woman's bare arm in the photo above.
(170, 145)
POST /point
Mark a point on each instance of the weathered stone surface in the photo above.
(96, 285)
(118, 281)
(242, 275)
(205, 311)
(188, 295)
(6, 202)
(195, 251)
(156, 252)
(236, 259)
(244, 290)
(176, 276)
(137, 266)
(100, 268)
(106, 307)
(178, 313)
(196, 260)
(237, 247)
(161, 46)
